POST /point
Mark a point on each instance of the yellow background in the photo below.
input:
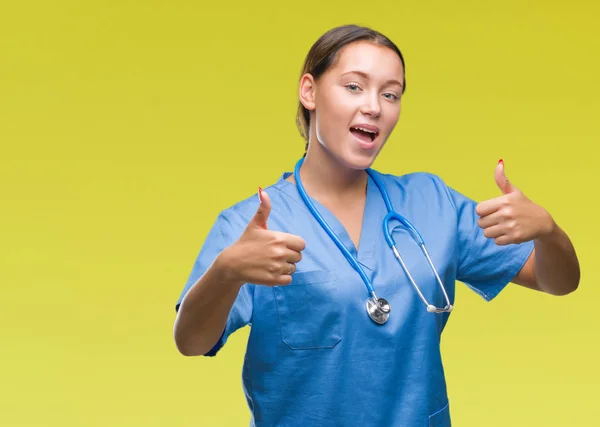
(126, 126)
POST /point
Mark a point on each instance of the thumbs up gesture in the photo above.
(262, 256)
(512, 217)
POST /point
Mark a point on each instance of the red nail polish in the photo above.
(500, 161)
(260, 194)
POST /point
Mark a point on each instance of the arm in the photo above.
(219, 302)
(553, 266)
(512, 219)
(203, 313)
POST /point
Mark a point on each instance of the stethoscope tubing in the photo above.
(328, 229)
(391, 215)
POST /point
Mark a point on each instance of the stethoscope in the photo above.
(378, 308)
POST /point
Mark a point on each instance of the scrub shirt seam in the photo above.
(487, 296)
(225, 333)
(249, 286)
(457, 233)
(292, 199)
(278, 316)
(512, 272)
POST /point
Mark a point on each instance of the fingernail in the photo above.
(260, 194)
(500, 161)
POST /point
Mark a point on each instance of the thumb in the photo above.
(262, 213)
(501, 181)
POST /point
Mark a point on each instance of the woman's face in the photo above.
(356, 103)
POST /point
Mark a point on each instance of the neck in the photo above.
(325, 178)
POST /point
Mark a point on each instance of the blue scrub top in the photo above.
(314, 357)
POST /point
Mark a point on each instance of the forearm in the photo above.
(556, 265)
(203, 313)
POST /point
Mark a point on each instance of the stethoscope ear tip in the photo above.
(433, 309)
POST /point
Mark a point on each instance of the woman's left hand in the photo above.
(512, 217)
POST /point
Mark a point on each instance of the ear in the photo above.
(307, 91)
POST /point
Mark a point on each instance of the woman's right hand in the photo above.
(262, 256)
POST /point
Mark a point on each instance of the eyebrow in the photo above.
(366, 76)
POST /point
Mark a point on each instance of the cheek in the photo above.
(392, 115)
(333, 115)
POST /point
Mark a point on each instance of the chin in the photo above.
(359, 161)
(351, 155)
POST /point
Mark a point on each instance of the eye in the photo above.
(352, 87)
(391, 96)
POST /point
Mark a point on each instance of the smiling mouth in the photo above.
(363, 134)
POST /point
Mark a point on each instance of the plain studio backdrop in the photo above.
(127, 126)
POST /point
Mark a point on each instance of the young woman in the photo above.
(344, 329)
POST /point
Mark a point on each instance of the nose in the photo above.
(371, 106)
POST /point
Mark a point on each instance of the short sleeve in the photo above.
(483, 265)
(224, 232)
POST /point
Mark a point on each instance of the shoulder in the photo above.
(241, 212)
(421, 188)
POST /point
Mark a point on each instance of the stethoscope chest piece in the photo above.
(378, 310)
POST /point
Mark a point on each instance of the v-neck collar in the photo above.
(370, 230)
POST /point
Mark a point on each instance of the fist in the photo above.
(262, 256)
(512, 217)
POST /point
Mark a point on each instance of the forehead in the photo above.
(370, 58)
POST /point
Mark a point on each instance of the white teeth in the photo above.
(364, 130)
